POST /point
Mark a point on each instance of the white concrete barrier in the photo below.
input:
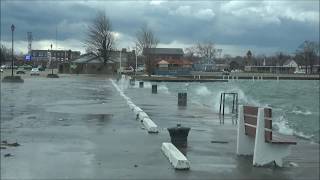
(142, 115)
(150, 125)
(176, 158)
(132, 107)
(137, 110)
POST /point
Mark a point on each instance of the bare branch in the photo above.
(100, 40)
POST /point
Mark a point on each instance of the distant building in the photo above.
(291, 63)
(88, 64)
(270, 69)
(56, 55)
(163, 53)
(173, 67)
(92, 64)
(127, 58)
(152, 55)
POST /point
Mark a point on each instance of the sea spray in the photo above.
(280, 124)
(300, 111)
(203, 91)
(163, 88)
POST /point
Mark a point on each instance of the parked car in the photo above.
(1, 70)
(20, 71)
(41, 68)
(4, 66)
(128, 70)
(26, 67)
(35, 72)
(140, 69)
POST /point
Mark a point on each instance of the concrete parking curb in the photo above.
(176, 158)
(150, 126)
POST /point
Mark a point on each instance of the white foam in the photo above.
(203, 91)
(283, 128)
(163, 88)
(301, 112)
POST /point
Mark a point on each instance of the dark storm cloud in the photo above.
(280, 24)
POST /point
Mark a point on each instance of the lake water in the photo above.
(295, 104)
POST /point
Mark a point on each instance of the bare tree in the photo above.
(5, 54)
(309, 51)
(206, 49)
(100, 40)
(249, 58)
(145, 40)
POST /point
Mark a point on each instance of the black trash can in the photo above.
(179, 136)
(132, 82)
(154, 89)
(182, 99)
(141, 84)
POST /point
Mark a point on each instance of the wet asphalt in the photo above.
(78, 126)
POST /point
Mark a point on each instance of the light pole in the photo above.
(120, 62)
(12, 29)
(51, 60)
(135, 72)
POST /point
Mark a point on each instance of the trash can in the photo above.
(141, 84)
(154, 89)
(179, 135)
(132, 82)
(182, 99)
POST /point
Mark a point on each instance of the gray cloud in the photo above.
(258, 24)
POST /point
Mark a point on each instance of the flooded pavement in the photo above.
(79, 126)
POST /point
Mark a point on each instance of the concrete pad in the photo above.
(176, 158)
(150, 125)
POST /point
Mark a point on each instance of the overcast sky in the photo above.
(265, 27)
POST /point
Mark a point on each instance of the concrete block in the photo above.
(132, 107)
(129, 102)
(150, 125)
(141, 115)
(176, 158)
(137, 110)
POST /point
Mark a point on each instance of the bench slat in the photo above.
(250, 119)
(277, 139)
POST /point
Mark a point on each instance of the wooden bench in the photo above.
(255, 137)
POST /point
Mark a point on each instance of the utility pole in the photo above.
(135, 72)
(120, 62)
(12, 29)
(51, 60)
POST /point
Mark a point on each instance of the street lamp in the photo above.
(135, 72)
(51, 60)
(12, 29)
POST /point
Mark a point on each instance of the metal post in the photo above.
(223, 104)
(136, 62)
(237, 102)
(220, 103)
(51, 59)
(120, 62)
(233, 99)
(12, 29)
